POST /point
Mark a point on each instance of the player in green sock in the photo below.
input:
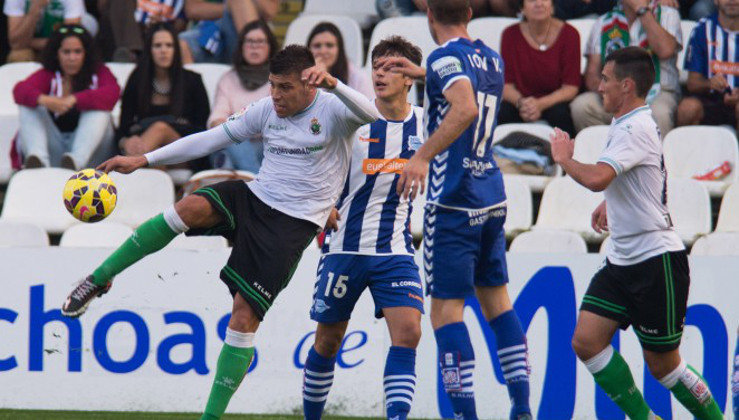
(689, 387)
(233, 363)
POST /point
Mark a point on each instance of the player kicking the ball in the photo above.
(645, 279)
(372, 246)
(307, 136)
(464, 241)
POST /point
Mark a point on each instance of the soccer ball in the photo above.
(90, 195)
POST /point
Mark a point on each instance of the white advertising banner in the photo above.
(152, 342)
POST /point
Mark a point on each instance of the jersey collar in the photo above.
(632, 113)
(318, 92)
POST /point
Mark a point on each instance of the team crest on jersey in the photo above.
(315, 126)
(414, 142)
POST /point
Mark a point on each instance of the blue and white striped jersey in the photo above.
(465, 176)
(374, 218)
(713, 50)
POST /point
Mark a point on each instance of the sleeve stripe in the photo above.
(452, 80)
(228, 132)
(616, 166)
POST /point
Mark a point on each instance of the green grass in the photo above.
(109, 415)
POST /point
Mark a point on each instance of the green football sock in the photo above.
(151, 236)
(693, 393)
(616, 380)
(233, 364)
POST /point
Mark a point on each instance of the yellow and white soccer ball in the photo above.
(90, 195)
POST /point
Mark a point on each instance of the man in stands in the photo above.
(637, 23)
(307, 134)
(712, 60)
(31, 22)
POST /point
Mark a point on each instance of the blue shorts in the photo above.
(462, 250)
(393, 280)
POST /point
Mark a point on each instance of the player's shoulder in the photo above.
(639, 122)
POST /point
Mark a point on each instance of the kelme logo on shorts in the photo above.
(315, 126)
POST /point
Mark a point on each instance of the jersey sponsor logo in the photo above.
(477, 167)
(315, 126)
(369, 139)
(279, 150)
(277, 127)
(446, 66)
(724, 67)
(405, 283)
(653, 331)
(384, 166)
(478, 219)
(262, 290)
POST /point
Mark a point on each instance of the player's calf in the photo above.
(318, 374)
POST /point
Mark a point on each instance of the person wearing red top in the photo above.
(65, 107)
(542, 68)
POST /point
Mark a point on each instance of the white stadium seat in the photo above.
(16, 235)
(103, 234)
(548, 242)
(728, 215)
(590, 143)
(413, 28)
(196, 243)
(35, 196)
(690, 208)
(687, 28)
(717, 243)
(567, 205)
(10, 75)
(211, 74)
(695, 150)
(300, 28)
(520, 207)
(141, 195)
(363, 11)
(537, 183)
(121, 71)
(490, 29)
(583, 26)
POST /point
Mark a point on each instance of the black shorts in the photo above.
(267, 244)
(715, 112)
(652, 296)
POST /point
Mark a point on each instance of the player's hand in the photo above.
(599, 219)
(562, 146)
(319, 77)
(123, 164)
(333, 220)
(718, 83)
(403, 66)
(731, 99)
(530, 110)
(413, 179)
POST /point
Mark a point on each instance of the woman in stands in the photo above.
(162, 101)
(239, 87)
(65, 107)
(327, 45)
(540, 41)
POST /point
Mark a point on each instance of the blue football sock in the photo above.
(318, 376)
(457, 361)
(399, 382)
(735, 381)
(513, 357)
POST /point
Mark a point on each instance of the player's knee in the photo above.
(243, 319)
(690, 111)
(408, 335)
(196, 212)
(328, 343)
(584, 348)
(661, 364)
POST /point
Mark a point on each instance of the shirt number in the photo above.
(484, 131)
(340, 287)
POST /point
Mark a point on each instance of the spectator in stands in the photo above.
(238, 88)
(636, 23)
(327, 45)
(127, 21)
(65, 107)
(215, 37)
(31, 23)
(480, 8)
(713, 78)
(162, 101)
(540, 41)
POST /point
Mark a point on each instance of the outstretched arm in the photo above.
(357, 103)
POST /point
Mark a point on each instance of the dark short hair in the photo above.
(238, 57)
(397, 46)
(50, 55)
(449, 12)
(636, 64)
(340, 69)
(291, 59)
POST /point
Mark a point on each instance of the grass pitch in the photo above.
(108, 415)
